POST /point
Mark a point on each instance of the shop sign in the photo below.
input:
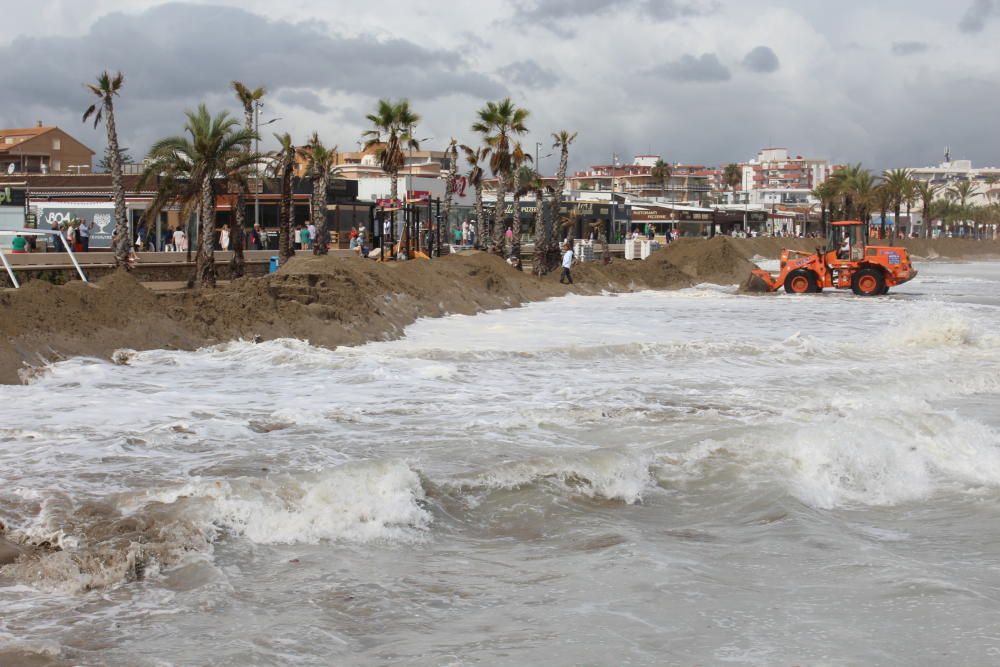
(11, 197)
(418, 196)
(102, 217)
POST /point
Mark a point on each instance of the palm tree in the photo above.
(732, 176)
(962, 192)
(498, 123)
(562, 140)
(451, 152)
(883, 196)
(926, 191)
(106, 89)
(826, 193)
(519, 172)
(476, 159)
(662, 172)
(187, 168)
(248, 99)
(283, 167)
(392, 133)
(899, 183)
(537, 185)
(320, 160)
(991, 180)
(863, 193)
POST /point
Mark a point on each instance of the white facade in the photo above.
(949, 174)
(775, 177)
(379, 187)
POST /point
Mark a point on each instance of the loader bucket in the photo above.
(759, 281)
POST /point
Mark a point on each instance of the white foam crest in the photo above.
(280, 352)
(887, 458)
(939, 328)
(356, 502)
(601, 474)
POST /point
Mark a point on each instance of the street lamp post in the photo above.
(258, 105)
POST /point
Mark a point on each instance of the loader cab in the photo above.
(854, 232)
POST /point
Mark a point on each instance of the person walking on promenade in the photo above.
(312, 233)
(567, 264)
(256, 238)
(224, 238)
(180, 240)
(19, 245)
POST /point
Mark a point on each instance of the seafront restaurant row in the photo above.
(44, 201)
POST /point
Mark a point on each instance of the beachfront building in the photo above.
(950, 173)
(42, 150)
(778, 178)
(686, 182)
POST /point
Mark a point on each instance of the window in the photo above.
(56, 165)
(56, 144)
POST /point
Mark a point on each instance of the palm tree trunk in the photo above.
(206, 240)
(515, 237)
(449, 190)
(497, 242)
(909, 219)
(538, 266)
(480, 219)
(319, 215)
(123, 242)
(285, 250)
(404, 236)
(237, 265)
(557, 199)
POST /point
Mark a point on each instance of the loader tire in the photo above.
(868, 282)
(801, 281)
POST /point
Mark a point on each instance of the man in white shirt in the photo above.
(567, 263)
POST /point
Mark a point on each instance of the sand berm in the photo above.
(332, 301)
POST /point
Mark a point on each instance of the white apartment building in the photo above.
(952, 172)
(776, 177)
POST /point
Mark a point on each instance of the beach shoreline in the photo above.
(333, 301)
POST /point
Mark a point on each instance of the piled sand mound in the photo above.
(719, 260)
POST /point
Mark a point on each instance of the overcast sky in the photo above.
(887, 83)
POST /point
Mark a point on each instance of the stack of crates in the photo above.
(583, 250)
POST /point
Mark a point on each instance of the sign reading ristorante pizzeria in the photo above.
(11, 196)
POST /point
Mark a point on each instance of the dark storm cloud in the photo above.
(908, 48)
(761, 59)
(695, 69)
(975, 17)
(529, 74)
(305, 99)
(176, 55)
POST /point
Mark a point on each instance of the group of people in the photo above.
(464, 235)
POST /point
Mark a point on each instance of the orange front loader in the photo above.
(848, 261)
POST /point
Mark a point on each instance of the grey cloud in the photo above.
(529, 74)
(761, 59)
(177, 55)
(548, 13)
(909, 48)
(975, 17)
(689, 68)
(306, 99)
